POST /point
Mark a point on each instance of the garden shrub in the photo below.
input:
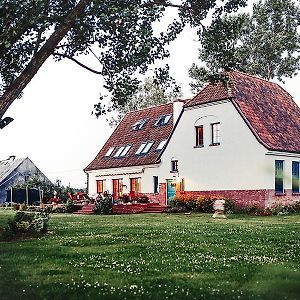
(280, 209)
(58, 209)
(202, 203)
(70, 206)
(23, 207)
(124, 198)
(229, 206)
(143, 199)
(103, 206)
(26, 224)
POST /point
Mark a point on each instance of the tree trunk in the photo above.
(18, 85)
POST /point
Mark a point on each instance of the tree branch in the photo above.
(19, 84)
(77, 62)
(161, 3)
(38, 40)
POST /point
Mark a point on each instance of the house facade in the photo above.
(15, 171)
(240, 141)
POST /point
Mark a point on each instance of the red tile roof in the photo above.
(124, 134)
(268, 109)
(210, 93)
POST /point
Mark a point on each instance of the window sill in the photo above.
(199, 146)
(280, 194)
(295, 193)
(215, 144)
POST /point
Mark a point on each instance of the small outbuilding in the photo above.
(15, 171)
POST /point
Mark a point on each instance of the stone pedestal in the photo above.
(219, 209)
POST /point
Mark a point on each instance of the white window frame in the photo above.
(125, 150)
(147, 147)
(120, 150)
(109, 151)
(161, 145)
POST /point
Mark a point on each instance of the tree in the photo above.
(265, 43)
(118, 32)
(48, 188)
(149, 93)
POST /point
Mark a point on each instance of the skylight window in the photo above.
(109, 152)
(122, 151)
(163, 120)
(144, 148)
(141, 148)
(125, 151)
(161, 145)
(147, 147)
(139, 124)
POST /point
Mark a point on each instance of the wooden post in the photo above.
(40, 194)
(26, 195)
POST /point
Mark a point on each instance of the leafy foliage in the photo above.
(70, 206)
(148, 94)
(26, 224)
(265, 43)
(103, 205)
(201, 203)
(35, 181)
(118, 33)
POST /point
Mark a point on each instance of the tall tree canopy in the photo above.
(149, 93)
(118, 32)
(265, 43)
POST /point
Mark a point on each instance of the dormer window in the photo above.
(163, 120)
(144, 148)
(139, 124)
(109, 151)
(161, 145)
(122, 151)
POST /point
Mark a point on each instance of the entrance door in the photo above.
(171, 189)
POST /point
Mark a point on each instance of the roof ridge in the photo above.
(253, 76)
(149, 107)
(261, 79)
(207, 84)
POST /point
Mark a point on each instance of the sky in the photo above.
(53, 125)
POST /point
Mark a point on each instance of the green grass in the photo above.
(155, 256)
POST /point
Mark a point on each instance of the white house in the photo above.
(240, 141)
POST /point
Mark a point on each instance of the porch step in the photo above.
(86, 210)
(128, 209)
(155, 208)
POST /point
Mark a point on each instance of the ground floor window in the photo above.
(117, 188)
(101, 186)
(279, 176)
(135, 186)
(155, 184)
(295, 177)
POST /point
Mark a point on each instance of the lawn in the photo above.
(155, 256)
